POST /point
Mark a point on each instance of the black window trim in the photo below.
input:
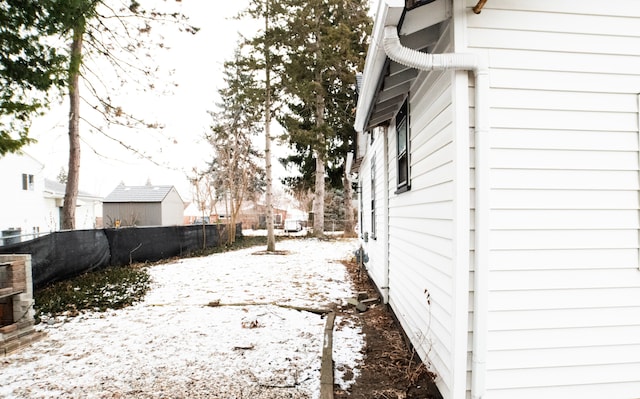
(403, 113)
(373, 197)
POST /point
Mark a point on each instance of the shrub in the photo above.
(110, 288)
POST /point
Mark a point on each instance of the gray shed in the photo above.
(147, 205)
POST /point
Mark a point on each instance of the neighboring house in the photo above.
(147, 205)
(31, 204)
(252, 216)
(88, 207)
(255, 217)
(499, 192)
(23, 210)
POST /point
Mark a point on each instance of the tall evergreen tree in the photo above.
(237, 176)
(325, 46)
(264, 57)
(29, 68)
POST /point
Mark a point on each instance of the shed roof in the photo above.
(149, 193)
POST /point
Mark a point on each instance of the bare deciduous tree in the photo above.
(204, 194)
(109, 42)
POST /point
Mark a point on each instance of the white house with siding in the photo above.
(88, 206)
(31, 204)
(499, 191)
(23, 209)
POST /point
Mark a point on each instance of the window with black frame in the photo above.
(402, 139)
(361, 209)
(373, 197)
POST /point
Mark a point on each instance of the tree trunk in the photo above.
(197, 184)
(227, 200)
(318, 199)
(73, 178)
(271, 239)
(349, 230)
(238, 200)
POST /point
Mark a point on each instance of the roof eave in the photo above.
(389, 13)
(385, 84)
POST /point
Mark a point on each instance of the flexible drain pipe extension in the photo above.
(465, 62)
(424, 61)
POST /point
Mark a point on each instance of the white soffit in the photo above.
(425, 16)
(385, 84)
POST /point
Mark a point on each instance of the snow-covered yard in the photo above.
(175, 344)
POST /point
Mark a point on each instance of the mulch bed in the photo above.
(391, 369)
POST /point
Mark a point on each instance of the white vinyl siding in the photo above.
(564, 285)
(23, 208)
(421, 225)
(374, 248)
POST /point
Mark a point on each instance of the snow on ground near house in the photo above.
(172, 345)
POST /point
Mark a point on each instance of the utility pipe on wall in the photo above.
(478, 8)
(478, 65)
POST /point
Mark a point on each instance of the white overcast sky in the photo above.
(198, 61)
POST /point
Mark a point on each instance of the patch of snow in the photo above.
(210, 327)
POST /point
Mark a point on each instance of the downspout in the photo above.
(385, 214)
(478, 65)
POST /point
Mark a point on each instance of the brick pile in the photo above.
(16, 303)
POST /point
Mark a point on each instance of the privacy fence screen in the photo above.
(65, 254)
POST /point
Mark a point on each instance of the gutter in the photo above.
(388, 10)
(479, 66)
